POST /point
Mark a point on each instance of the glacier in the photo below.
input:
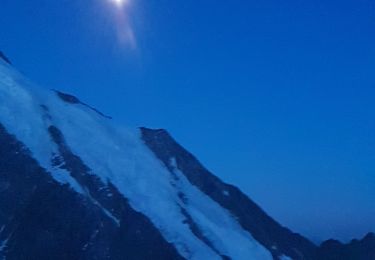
(117, 155)
(74, 184)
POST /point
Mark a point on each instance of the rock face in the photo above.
(41, 219)
(75, 186)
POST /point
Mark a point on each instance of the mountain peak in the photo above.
(370, 236)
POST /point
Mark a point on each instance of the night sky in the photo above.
(276, 97)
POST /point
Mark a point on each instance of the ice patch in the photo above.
(23, 116)
(217, 224)
(3, 246)
(63, 177)
(105, 211)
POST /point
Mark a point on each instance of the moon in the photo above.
(120, 3)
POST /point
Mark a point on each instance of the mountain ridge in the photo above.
(109, 185)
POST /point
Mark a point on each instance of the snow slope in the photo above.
(117, 155)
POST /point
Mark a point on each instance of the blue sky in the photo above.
(276, 97)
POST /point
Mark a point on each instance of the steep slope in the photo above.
(42, 219)
(277, 239)
(75, 186)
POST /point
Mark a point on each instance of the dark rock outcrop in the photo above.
(363, 249)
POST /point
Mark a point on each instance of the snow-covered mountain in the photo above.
(74, 185)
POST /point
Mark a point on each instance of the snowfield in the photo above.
(118, 154)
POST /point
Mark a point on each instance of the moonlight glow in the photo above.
(125, 31)
(120, 3)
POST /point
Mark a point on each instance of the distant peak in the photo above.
(369, 237)
(5, 58)
(157, 134)
(159, 131)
